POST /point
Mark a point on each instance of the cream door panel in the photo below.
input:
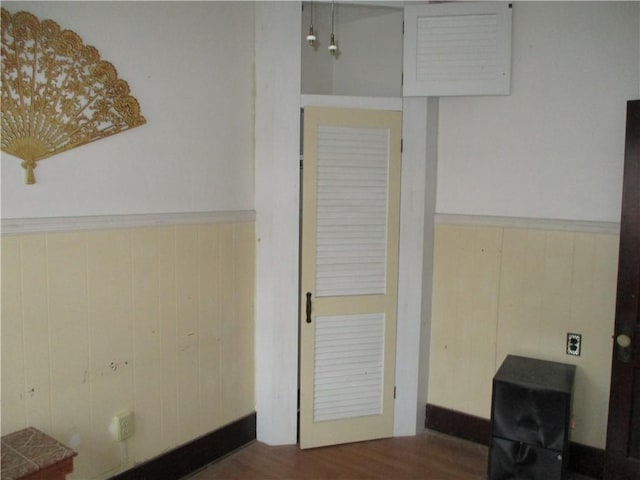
(350, 222)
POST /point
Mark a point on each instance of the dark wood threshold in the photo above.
(196, 454)
(583, 459)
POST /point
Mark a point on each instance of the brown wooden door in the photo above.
(623, 431)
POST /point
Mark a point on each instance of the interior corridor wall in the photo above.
(502, 290)
(507, 279)
(554, 147)
(156, 319)
(191, 67)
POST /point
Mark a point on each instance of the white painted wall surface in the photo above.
(192, 73)
(317, 63)
(369, 40)
(554, 147)
(370, 52)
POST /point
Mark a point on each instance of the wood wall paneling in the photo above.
(500, 290)
(147, 342)
(228, 364)
(211, 279)
(68, 338)
(592, 312)
(244, 280)
(187, 334)
(168, 315)
(465, 292)
(156, 320)
(36, 332)
(109, 286)
(14, 415)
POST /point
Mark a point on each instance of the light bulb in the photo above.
(332, 45)
(333, 48)
(311, 36)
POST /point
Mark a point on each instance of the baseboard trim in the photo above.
(196, 454)
(586, 460)
(458, 424)
(583, 459)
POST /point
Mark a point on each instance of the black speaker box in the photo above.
(530, 419)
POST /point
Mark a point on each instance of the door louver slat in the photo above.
(352, 189)
(458, 48)
(348, 366)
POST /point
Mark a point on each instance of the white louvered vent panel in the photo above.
(352, 191)
(460, 47)
(348, 366)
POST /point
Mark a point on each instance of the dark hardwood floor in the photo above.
(426, 456)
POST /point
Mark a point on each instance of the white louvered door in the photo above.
(350, 225)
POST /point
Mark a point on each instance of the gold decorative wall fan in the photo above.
(56, 92)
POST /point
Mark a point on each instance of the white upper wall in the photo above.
(554, 147)
(369, 40)
(190, 65)
(370, 46)
(317, 63)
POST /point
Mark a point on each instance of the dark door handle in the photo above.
(308, 307)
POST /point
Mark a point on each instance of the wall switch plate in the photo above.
(574, 344)
(123, 425)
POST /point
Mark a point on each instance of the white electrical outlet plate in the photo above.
(574, 344)
(123, 425)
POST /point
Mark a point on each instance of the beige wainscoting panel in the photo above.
(69, 339)
(187, 334)
(244, 285)
(544, 283)
(109, 280)
(553, 283)
(33, 251)
(535, 282)
(237, 337)
(212, 274)
(14, 415)
(227, 344)
(593, 298)
(155, 320)
(465, 302)
(168, 319)
(147, 342)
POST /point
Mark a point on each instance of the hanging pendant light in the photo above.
(333, 48)
(311, 36)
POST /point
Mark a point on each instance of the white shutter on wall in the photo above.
(457, 49)
(352, 184)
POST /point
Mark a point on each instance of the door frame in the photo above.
(277, 125)
(617, 464)
(417, 209)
